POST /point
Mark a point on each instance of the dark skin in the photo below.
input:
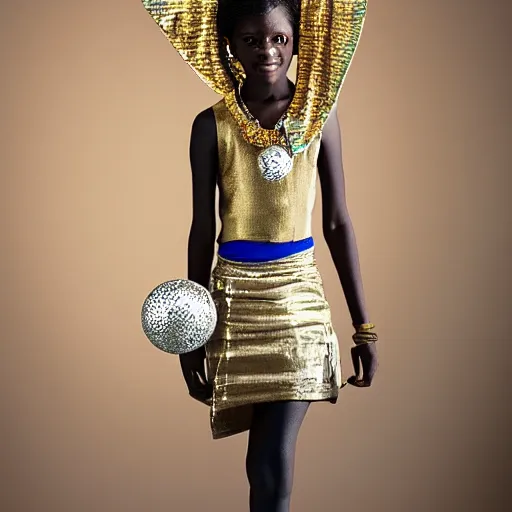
(264, 46)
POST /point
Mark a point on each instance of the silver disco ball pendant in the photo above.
(179, 316)
(274, 163)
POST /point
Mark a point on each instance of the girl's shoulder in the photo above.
(206, 115)
(204, 126)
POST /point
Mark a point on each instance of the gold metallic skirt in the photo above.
(274, 339)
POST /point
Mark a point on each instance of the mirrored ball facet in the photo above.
(179, 316)
(275, 163)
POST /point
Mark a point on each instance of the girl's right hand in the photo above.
(193, 369)
(364, 357)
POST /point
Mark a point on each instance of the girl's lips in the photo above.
(267, 68)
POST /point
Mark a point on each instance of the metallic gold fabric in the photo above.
(274, 339)
(252, 208)
(329, 34)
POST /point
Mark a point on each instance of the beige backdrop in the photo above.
(96, 113)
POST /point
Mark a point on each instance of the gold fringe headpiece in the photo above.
(329, 33)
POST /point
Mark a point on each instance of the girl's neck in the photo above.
(253, 92)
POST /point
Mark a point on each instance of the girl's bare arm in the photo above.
(204, 165)
(337, 226)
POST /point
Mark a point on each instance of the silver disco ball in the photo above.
(179, 316)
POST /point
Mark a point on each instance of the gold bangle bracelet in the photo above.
(365, 337)
(364, 327)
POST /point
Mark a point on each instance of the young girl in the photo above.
(274, 350)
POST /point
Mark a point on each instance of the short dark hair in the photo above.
(230, 12)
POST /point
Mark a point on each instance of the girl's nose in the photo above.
(266, 50)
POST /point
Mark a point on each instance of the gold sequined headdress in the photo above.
(329, 33)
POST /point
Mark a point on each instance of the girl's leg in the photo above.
(271, 454)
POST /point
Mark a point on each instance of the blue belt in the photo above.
(248, 251)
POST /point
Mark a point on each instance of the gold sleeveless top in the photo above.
(252, 208)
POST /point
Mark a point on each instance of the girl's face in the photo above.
(264, 45)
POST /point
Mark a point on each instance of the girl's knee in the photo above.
(270, 477)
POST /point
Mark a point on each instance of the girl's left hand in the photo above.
(365, 356)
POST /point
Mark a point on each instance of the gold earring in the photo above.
(234, 64)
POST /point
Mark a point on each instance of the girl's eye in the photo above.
(249, 40)
(280, 39)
